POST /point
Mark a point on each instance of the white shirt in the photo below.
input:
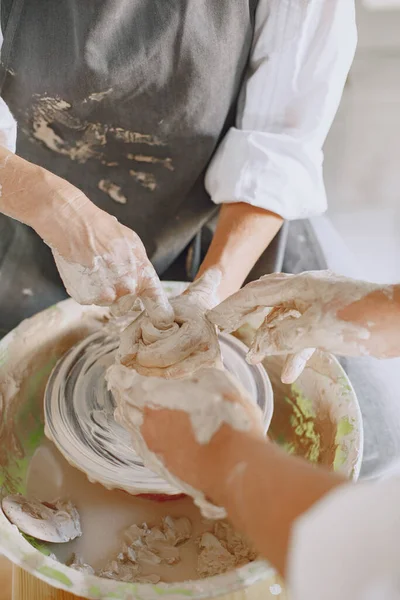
(302, 53)
(348, 546)
(300, 59)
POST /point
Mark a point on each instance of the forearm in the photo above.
(45, 202)
(379, 314)
(265, 490)
(243, 233)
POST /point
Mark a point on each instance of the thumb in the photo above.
(203, 291)
(155, 300)
(295, 364)
(285, 336)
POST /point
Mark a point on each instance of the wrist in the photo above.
(60, 202)
(379, 313)
(17, 187)
(222, 461)
(42, 200)
(264, 492)
(65, 217)
(243, 232)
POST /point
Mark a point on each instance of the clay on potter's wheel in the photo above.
(79, 414)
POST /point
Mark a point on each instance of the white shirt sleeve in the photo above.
(8, 126)
(302, 53)
(348, 546)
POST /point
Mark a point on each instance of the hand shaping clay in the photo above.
(211, 393)
(184, 346)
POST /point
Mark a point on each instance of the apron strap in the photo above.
(8, 37)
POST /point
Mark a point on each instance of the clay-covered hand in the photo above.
(311, 310)
(179, 427)
(189, 343)
(108, 266)
(100, 261)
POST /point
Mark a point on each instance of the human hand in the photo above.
(108, 266)
(189, 343)
(183, 428)
(100, 261)
(311, 310)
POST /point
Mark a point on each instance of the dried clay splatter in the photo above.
(7, 68)
(92, 137)
(98, 96)
(165, 162)
(147, 180)
(27, 292)
(113, 190)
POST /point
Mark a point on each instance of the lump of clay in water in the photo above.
(77, 563)
(57, 522)
(219, 550)
(146, 547)
(188, 344)
(222, 550)
(213, 558)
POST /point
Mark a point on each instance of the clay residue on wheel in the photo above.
(27, 357)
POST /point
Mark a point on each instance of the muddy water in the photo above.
(106, 514)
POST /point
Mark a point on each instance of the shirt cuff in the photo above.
(277, 172)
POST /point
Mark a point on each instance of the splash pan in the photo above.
(27, 356)
(79, 413)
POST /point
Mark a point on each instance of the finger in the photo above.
(269, 291)
(125, 304)
(90, 295)
(271, 321)
(155, 299)
(287, 336)
(295, 364)
(129, 341)
(204, 291)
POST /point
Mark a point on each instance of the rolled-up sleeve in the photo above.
(8, 126)
(301, 56)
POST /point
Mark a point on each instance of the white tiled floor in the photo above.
(362, 168)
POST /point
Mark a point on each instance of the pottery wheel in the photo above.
(79, 413)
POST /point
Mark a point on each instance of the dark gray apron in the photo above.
(127, 100)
